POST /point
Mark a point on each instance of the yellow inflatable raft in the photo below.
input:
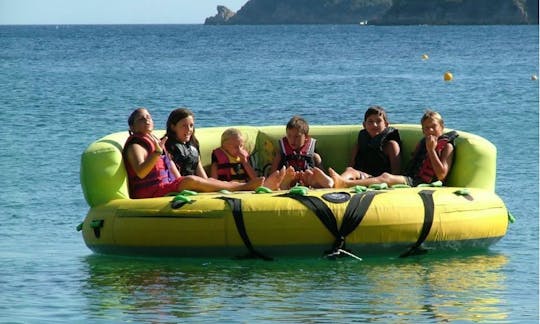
(313, 222)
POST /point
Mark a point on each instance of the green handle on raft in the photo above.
(263, 190)
(433, 184)
(299, 190)
(359, 189)
(400, 185)
(379, 186)
(461, 192)
(511, 218)
(181, 198)
(188, 193)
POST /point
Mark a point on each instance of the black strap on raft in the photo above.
(429, 209)
(354, 213)
(96, 225)
(236, 206)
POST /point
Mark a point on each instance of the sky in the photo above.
(58, 12)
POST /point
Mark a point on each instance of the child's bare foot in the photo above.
(290, 177)
(305, 178)
(339, 182)
(351, 173)
(252, 184)
(274, 180)
(321, 180)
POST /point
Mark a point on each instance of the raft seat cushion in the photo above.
(103, 174)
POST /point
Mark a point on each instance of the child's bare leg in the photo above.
(353, 174)
(210, 185)
(274, 180)
(250, 185)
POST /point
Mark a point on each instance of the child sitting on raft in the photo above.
(297, 154)
(230, 161)
(378, 147)
(150, 171)
(431, 161)
(182, 144)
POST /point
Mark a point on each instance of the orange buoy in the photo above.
(448, 76)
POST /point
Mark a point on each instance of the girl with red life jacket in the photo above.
(432, 159)
(297, 153)
(230, 161)
(151, 173)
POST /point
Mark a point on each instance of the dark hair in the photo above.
(174, 117)
(376, 110)
(132, 116)
(299, 123)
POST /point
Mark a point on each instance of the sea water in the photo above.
(62, 87)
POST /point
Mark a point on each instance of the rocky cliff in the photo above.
(461, 12)
(380, 12)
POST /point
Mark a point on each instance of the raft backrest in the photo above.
(104, 178)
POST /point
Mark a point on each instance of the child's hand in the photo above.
(243, 155)
(159, 143)
(431, 142)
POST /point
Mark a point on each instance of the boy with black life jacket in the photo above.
(230, 161)
(378, 147)
(150, 171)
(297, 153)
(431, 161)
(377, 150)
(182, 144)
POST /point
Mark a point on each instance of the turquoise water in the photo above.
(62, 87)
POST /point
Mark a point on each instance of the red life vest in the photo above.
(229, 168)
(424, 172)
(300, 160)
(160, 174)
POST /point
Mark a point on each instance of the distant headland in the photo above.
(380, 12)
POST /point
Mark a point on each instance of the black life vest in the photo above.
(370, 157)
(421, 169)
(185, 156)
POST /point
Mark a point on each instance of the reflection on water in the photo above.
(457, 288)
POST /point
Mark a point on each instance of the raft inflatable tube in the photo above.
(465, 214)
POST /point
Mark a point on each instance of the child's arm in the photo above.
(393, 152)
(244, 160)
(214, 167)
(441, 165)
(200, 170)
(275, 163)
(173, 167)
(249, 170)
(317, 160)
